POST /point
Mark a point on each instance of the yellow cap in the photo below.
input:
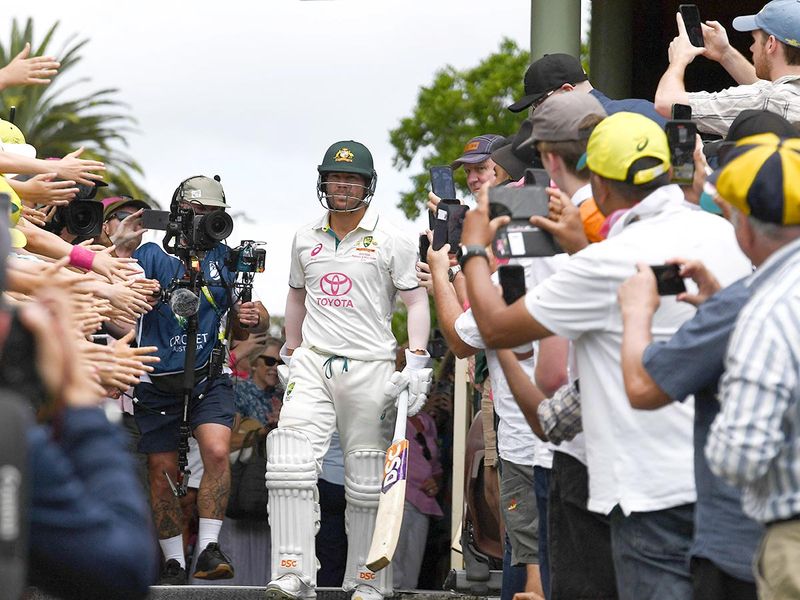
(10, 133)
(620, 140)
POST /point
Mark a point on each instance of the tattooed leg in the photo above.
(167, 514)
(212, 497)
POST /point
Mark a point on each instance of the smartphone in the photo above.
(442, 183)
(440, 228)
(537, 177)
(681, 136)
(155, 219)
(681, 112)
(512, 280)
(668, 280)
(455, 224)
(521, 239)
(691, 19)
(522, 202)
(424, 244)
(100, 338)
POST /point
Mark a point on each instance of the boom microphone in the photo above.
(184, 303)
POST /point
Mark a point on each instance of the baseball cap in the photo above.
(202, 190)
(620, 140)
(114, 203)
(747, 123)
(479, 148)
(13, 141)
(559, 119)
(513, 157)
(780, 18)
(547, 74)
(758, 178)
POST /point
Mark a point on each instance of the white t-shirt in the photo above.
(641, 460)
(351, 285)
(516, 441)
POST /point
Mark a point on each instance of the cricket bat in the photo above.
(393, 493)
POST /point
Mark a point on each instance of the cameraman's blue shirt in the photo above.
(160, 327)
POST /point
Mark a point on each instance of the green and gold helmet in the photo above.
(347, 157)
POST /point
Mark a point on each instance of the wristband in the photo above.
(81, 257)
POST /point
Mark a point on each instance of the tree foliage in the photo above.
(56, 125)
(458, 105)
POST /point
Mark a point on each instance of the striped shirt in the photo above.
(755, 440)
(715, 111)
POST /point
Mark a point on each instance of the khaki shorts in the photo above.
(520, 515)
(777, 567)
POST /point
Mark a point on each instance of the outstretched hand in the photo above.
(28, 70)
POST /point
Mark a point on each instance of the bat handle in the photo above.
(402, 416)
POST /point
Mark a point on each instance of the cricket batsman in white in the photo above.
(347, 268)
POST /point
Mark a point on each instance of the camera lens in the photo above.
(217, 225)
(84, 218)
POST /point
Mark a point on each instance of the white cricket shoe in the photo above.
(366, 592)
(290, 587)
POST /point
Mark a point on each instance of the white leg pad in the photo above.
(293, 504)
(362, 489)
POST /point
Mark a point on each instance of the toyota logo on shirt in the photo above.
(335, 284)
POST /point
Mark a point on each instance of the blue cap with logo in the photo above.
(780, 18)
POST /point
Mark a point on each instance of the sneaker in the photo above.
(366, 592)
(289, 587)
(172, 574)
(213, 564)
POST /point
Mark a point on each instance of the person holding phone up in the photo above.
(772, 81)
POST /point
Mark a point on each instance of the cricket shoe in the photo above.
(172, 574)
(213, 564)
(290, 587)
(366, 592)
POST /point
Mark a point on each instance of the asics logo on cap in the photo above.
(642, 145)
(343, 155)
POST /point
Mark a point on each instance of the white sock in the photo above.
(207, 532)
(173, 548)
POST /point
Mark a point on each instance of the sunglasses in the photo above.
(270, 361)
(120, 214)
(539, 101)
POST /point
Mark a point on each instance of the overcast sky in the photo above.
(256, 91)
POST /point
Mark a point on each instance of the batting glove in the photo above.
(283, 370)
(419, 380)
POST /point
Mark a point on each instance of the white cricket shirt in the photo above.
(351, 286)
(641, 460)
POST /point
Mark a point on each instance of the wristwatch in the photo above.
(468, 251)
(452, 272)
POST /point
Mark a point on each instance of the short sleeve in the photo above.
(715, 111)
(693, 359)
(577, 299)
(403, 263)
(297, 275)
(467, 330)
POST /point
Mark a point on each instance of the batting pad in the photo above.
(363, 470)
(293, 504)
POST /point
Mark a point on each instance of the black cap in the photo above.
(513, 158)
(547, 74)
(751, 122)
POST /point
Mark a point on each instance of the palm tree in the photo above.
(55, 125)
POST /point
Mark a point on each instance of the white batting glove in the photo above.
(419, 380)
(396, 384)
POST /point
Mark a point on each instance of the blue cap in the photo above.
(780, 18)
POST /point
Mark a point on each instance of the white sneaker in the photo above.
(289, 587)
(366, 592)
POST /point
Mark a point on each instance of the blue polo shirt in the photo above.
(692, 362)
(160, 327)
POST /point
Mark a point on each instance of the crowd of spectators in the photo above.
(646, 441)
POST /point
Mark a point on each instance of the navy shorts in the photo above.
(160, 433)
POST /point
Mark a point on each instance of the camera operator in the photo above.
(211, 408)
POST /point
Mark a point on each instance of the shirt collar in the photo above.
(775, 262)
(667, 198)
(582, 194)
(368, 222)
